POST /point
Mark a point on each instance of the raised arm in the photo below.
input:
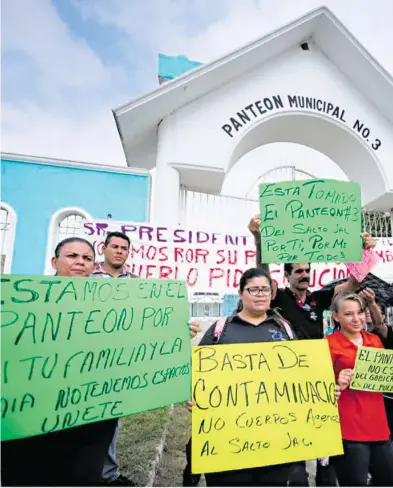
(254, 227)
(352, 284)
(380, 328)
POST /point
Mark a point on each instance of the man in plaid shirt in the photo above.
(116, 250)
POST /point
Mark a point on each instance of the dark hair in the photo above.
(289, 266)
(251, 274)
(70, 240)
(274, 314)
(121, 235)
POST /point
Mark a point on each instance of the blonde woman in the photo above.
(365, 431)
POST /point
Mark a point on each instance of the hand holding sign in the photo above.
(344, 378)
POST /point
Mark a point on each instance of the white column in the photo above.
(165, 195)
(166, 181)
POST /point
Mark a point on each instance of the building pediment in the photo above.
(138, 120)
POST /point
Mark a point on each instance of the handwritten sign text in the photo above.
(263, 404)
(310, 221)
(80, 350)
(373, 370)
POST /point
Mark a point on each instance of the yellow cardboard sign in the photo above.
(373, 370)
(263, 404)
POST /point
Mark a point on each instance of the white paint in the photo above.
(28, 158)
(181, 122)
(9, 237)
(167, 194)
(196, 138)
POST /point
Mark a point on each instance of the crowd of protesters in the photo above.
(86, 455)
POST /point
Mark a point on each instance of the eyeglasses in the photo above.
(259, 290)
(300, 271)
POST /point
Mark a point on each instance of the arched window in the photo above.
(67, 222)
(70, 226)
(7, 236)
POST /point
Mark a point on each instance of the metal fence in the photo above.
(378, 224)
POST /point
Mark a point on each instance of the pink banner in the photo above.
(208, 262)
(360, 270)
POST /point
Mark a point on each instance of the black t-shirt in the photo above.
(238, 331)
(388, 341)
(70, 457)
(306, 320)
(388, 344)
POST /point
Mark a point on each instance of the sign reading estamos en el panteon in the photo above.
(80, 350)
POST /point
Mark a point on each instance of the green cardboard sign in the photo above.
(80, 350)
(310, 221)
(373, 370)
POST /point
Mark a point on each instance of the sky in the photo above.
(67, 63)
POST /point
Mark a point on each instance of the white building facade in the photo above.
(310, 83)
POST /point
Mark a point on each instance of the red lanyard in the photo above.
(301, 304)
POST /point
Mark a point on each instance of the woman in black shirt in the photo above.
(256, 322)
(70, 457)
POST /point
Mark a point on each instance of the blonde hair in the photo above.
(347, 295)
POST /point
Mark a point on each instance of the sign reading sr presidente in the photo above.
(209, 261)
(206, 261)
